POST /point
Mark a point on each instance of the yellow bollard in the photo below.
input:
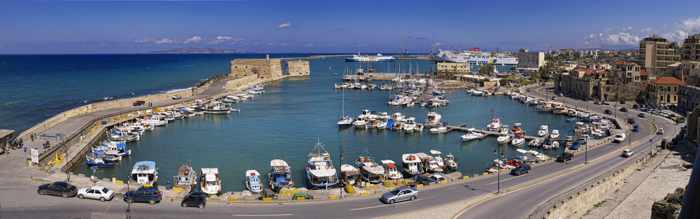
(419, 186)
(465, 178)
(231, 199)
(267, 199)
(332, 197)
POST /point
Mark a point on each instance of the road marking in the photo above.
(369, 207)
(262, 215)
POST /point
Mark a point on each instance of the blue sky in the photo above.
(102, 26)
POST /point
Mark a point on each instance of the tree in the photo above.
(486, 69)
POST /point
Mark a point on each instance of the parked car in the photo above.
(96, 192)
(607, 111)
(623, 109)
(566, 156)
(62, 189)
(404, 193)
(424, 179)
(642, 115)
(635, 128)
(438, 177)
(521, 170)
(631, 121)
(627, 153)
(195, 199)
(176, 97)
(144, 195)
(138, 103)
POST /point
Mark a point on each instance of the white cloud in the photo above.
(284, 25)
(164, 41)
(193, 39)
(685, 28)
(623, 38)
(224, 38)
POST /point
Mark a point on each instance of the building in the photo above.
(690, 72)
(688, 98)
(658, 53)
(530, 60)
(693, 120)
(627, 72)
(664, 91)
(691, 48)
(269, 68)
(584, 84)
(451, 70)
(475, 58)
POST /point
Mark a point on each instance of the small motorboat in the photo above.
(210, 181)
(252, 181)
(437, 157)
(543, 131)
(186, 176)
(439, 130)
(472, 134)
(535, 142)
(411, 164)
(145, 173)
(360, 124)
(345, 121)
(392, 171)
(554, 134)
(280, 175)
(371, 171)
(503, 139)
(518, 142)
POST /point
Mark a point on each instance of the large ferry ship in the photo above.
(367, 58)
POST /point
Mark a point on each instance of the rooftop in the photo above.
(668, 80)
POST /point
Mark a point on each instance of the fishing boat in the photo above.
(554, 134)
(349, 174)
(518, 135)
(117, 148)
(433, 119)
(411, 164)
(410, 125)
(96, 160)
(252, 181)
(186, 176)
(391, 170)
(494, 125)
(472, 134)
(450, 163)
(536, 142)
(145, 173)
(210, 181)
(543, 131)
(217, 108)
(371, 171)
(320, 172)
(437, 157)
(429, 163)
(280, 175)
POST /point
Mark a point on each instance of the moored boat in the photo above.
(349, 174)
(280, 175)
(320, 172)
(210, 181)
(392, 171)
(411, 164)
(145, 173)
(252, 181)
(371, 171)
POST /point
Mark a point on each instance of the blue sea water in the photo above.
(36, 87)
(287, 120)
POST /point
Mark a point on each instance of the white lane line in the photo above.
(262, 215)
(369, 207)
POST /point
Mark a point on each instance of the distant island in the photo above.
(197, 51)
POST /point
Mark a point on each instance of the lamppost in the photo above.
(499, 155)
(128, 202)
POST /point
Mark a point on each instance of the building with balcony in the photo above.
(663, 91)
(658, 53)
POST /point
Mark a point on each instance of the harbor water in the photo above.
(286, 121)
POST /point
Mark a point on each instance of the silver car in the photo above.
(404, 193)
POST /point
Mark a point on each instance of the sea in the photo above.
(283, 123)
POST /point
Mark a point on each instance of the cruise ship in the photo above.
(367, 58)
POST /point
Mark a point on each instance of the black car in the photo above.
(624, 110)
(642, 115)
(144, 195)
(631, 121)
(62, 189)
(195, 199)
(565, 157)
(521, 170)
(607, 111)
(635, 128)
(424, 179)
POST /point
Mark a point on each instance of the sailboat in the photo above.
(345, 120)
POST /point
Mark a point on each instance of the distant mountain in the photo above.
(197, 51)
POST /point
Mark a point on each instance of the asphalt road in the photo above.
(521, 194)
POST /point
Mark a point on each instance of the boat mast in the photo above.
(343, 94)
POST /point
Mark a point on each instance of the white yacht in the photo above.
(494, 125)
(145, 173)
(345, 121)
(439, 130)
(410, 125)
(360, 124)
(437, 157)
(320, 171)
(392, 171)
(450, 163)
(518, 142)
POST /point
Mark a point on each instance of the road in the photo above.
(521, 194)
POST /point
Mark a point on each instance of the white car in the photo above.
(627, 153)
(96, 192)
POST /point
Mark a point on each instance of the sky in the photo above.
(328, 26)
